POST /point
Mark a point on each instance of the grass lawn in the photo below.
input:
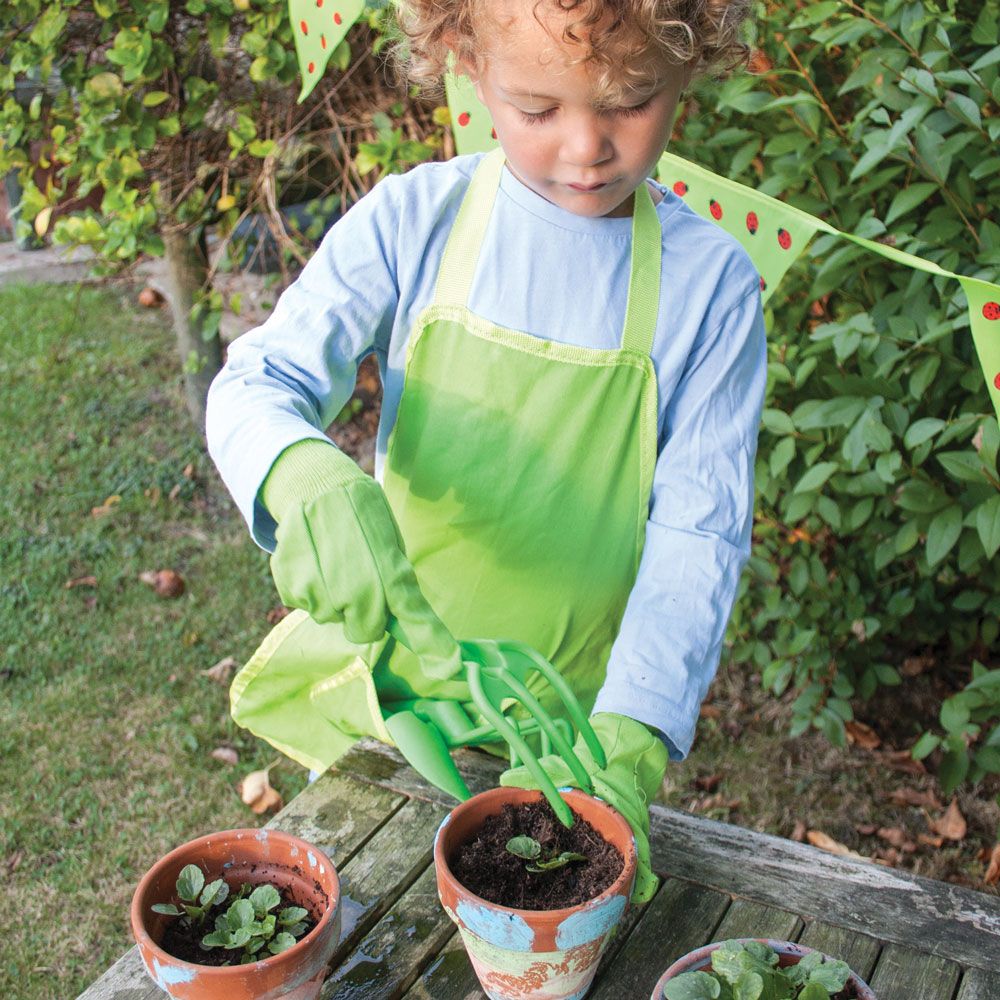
(106, 721)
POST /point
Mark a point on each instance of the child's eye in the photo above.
(535, 118)
(634, 110)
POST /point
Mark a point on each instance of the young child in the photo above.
(573, 366)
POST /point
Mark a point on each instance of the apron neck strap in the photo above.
(461, 253)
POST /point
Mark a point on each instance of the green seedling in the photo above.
(247, 923)
(748, 970)
(529, 849)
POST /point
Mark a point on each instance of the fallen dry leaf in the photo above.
(718, 801)
(915, 797)
(708, 782)
(863, 735)
(221, 672)
(81, 581)
(900, 760)
(951, 825)
(928, 841)
(226, 754)
(826, 843)
(13, 861)
(710, 712)
(166, 582)
(106, 507)
(276, 614)
(150, 298)
(799, 832)
(993, 871)
(897, 837)
(913, 666)
(866, 829)
(188, 472)
(256, 791)
(887, 856)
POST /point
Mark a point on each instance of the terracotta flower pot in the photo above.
(533, 954)
(789, 953)
(295, 867)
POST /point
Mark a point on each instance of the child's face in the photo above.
(582, 158)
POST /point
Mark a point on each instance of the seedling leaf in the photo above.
(190, 882)
(813, 991)
(168, 908)
(240, 914)
(524, 847)
(264, 898)
(217, 939)
(292, 914)
(214, 893)
(563, 859)
(749, 987)
(832, 976)
(693, 986)
(282, 942)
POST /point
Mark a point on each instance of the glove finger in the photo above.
(646, 884)
(554, 767)
(297, 571)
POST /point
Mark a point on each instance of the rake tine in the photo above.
(567, 697)
(531, 703)
(516, 742)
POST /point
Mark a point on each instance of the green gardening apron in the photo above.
(519, 470)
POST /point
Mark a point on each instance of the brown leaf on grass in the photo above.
(225, 754)
(106, 507)
(863, 735)
(12, 862)
(916, 798)
(913, 666)
(166, 582)
(708, 782)
(718, 801)
(993, 871)
(826, 843)
(887, 856)
(799, 832)
(188, 472)
(900, 760)
(897, 837)
(951, 825)
(81, 581)
(710, 712)
(256, 791)
(866, 829)
(928, 841)
(221, 672)
(276, 614)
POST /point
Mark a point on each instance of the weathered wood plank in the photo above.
(745, 918)
(336, 813)
(906, 974)
(681, 917)
(957, 923)
(394, 952)
(384, 868)
(979, 985)
(859, 951)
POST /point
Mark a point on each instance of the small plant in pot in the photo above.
(535, 902)
(759, 970)
(239, 915)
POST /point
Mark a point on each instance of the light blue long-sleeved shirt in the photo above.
(564, 277)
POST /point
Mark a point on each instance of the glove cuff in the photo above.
(304, 471)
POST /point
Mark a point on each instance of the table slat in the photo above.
(859, 951)
(905, 974)
(125, 980)
(449, 977)
(384, 868)
(392, 954)
(895, 906)
(680, 918)
(979, 985)
(747, 919)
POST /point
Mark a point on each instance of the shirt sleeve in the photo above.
(697, 535)
(286, 380)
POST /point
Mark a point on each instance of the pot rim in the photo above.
(239, 835)
(698, 958)
(571, 795)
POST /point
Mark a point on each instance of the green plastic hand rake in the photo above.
(497, 672)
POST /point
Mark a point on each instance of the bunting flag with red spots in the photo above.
(319, 26)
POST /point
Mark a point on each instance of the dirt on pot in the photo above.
(487, 868)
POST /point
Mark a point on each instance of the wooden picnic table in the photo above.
(910, 938)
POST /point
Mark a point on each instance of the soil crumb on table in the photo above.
(487, 868)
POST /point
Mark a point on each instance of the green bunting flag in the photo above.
(319, 26)
(773, 234)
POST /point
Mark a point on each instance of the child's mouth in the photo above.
(587, 187)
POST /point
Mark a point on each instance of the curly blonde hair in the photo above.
(622, 39)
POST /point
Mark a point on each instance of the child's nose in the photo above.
(586, 143)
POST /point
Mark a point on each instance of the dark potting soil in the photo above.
(485, 866)
(182, 940)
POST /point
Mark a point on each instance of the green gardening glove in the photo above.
(637, 761)
(340, 556)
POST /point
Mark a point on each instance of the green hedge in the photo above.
(878, 507)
